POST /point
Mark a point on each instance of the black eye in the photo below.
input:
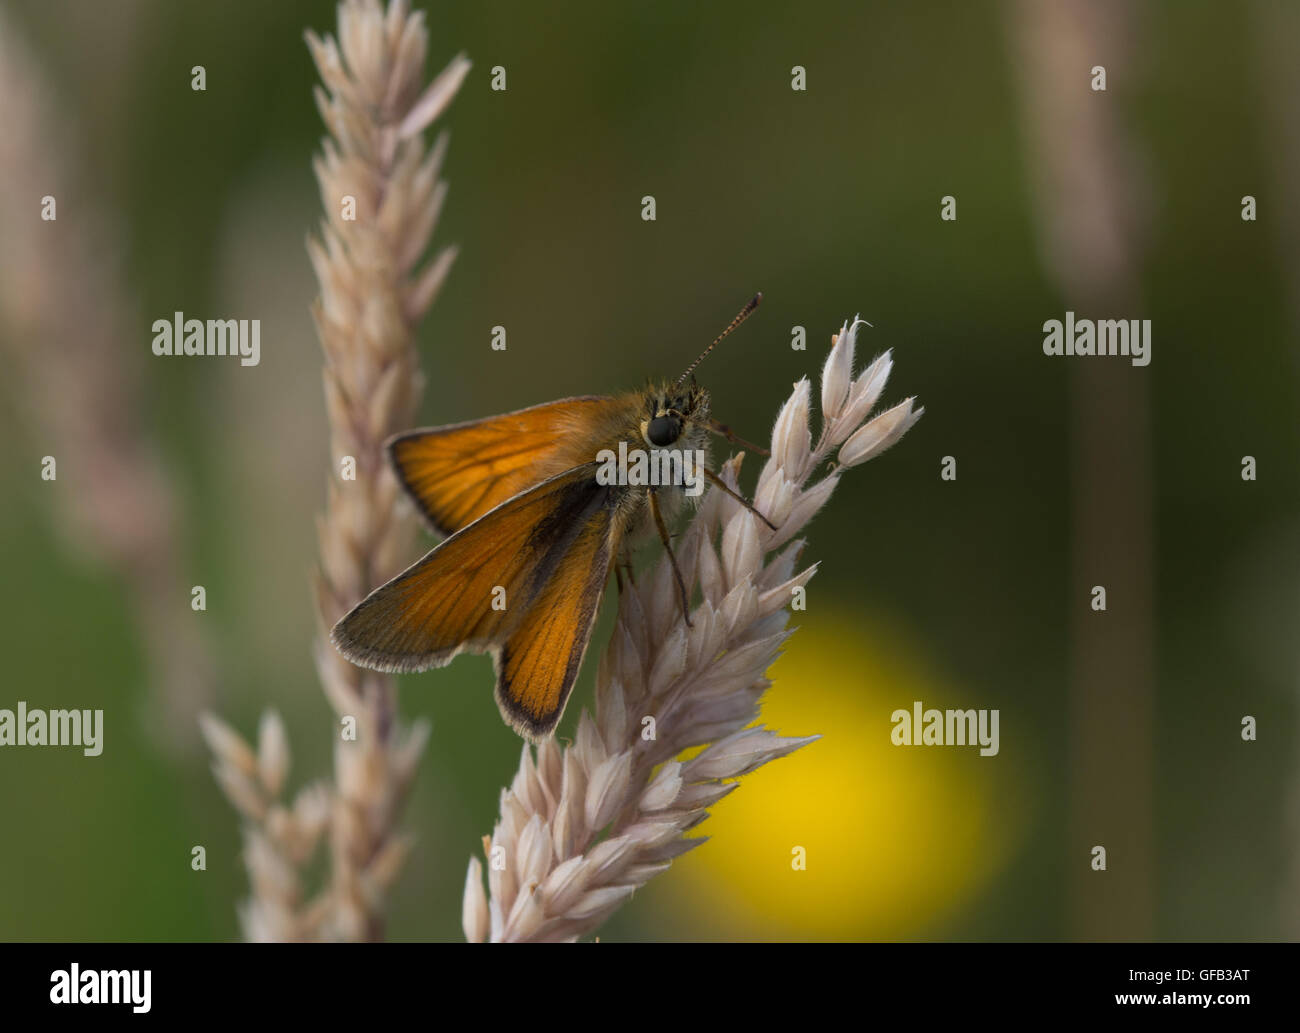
(663, 430)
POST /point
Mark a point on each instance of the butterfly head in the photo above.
(670, 412)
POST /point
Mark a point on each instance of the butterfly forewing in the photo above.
(456, 474)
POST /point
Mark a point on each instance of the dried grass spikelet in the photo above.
(583, 826)
(279, 837)
(375, 287)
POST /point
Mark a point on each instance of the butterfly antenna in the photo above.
(741, 316)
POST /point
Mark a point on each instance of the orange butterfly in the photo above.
(539, 506)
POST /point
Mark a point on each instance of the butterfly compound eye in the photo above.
(663, 430)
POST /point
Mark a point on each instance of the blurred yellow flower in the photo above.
(895, 837)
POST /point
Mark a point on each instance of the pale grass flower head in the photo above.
(377, 280)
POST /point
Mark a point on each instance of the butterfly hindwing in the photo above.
(523, 581)
(539, 661)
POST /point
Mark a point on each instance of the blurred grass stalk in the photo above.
(1276, 27)
(382, 195)
(1091, 205)
(69, 322)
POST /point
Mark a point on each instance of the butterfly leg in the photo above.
(715, 479)
(622, 566)
(672, 558)
(722, 430)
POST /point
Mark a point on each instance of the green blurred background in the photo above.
(956, 593)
